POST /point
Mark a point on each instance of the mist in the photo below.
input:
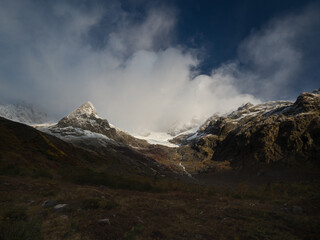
(133, 72)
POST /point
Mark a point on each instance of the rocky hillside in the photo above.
(274, 132)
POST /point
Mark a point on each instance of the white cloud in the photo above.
(273, 59)
(137, 79)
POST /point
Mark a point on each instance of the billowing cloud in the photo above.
(274, 62)
(59, 56)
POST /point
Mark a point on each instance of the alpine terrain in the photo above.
(250, 174)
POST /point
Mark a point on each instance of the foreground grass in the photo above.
(272, 211)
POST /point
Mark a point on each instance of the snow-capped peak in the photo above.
(86, 109)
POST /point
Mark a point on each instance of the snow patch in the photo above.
(160, 138)
(72, 133)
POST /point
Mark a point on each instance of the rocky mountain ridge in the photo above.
(274, 132)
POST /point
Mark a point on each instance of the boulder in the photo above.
(49, 203)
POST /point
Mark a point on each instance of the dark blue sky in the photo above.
(216, 28)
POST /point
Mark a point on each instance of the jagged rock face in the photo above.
(281, 131)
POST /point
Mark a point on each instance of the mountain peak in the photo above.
(84, 117)
(85, 109)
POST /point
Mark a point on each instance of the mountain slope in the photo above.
(282, 132)
(25, 150)
(274, 132)
(52, 189)
(84, 128)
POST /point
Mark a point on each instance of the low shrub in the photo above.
(108, 204)
(15, 225)
(85, 176)
(18, 230)
(90, 204)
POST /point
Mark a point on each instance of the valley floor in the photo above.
(31, 209)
